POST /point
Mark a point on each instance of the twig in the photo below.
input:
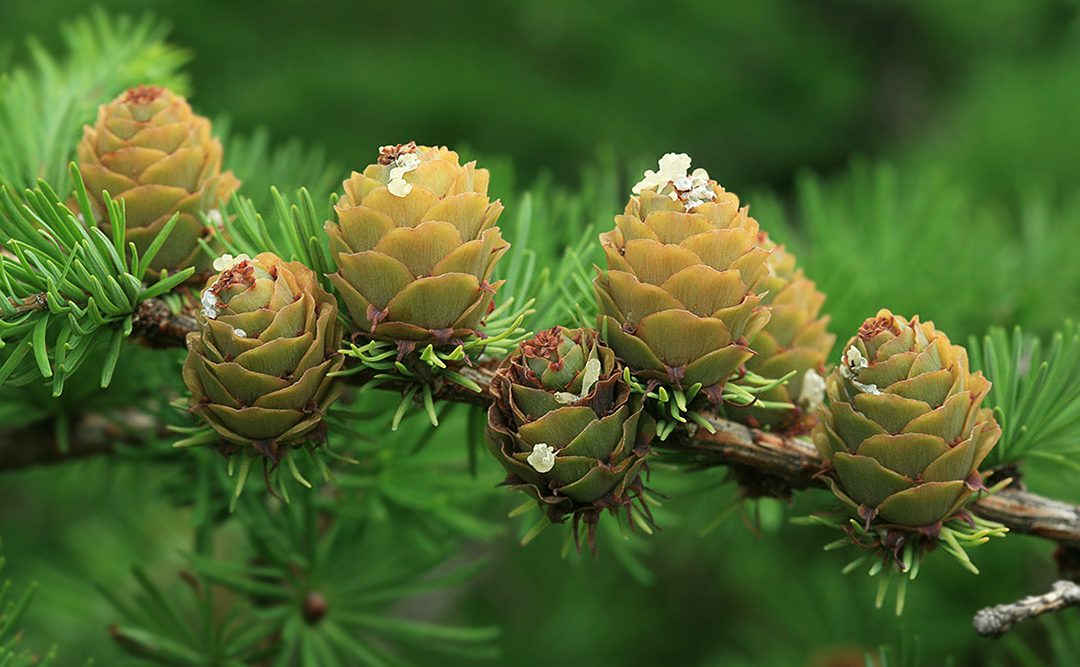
(1030, 514)
(37, 444)
(996, 621)
(157, 327)
(788, 463)
(791, 461)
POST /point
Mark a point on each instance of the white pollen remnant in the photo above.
(215, 218)
(542, 458)
(566, 398)
(592, 375)
(672, 166)
(867, 388)
(812, 394)
(210, 304)
(693, 190)
(405, 163)
(852, 363)
(240, 333)
(226, 262)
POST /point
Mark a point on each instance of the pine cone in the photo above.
(567, 428)
(903, 436)
(681, 295)
(258, 366)
(149, 149)
(416, 244)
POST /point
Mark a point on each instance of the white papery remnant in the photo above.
(672, 166)
(215, 218)
(210, 302)
(812, 394)
(592, 375)
(672, 180)
(542, 458)
(404, 164)
(851, 364)
(226, 262)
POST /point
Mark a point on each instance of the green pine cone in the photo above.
(416, 245)
(794, 339)
(567, 428)
(258, 366)
(680, 299)
(148, 148)
(903, 436)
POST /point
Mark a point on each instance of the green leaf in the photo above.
(44, 106)
(39, 346)
(1036, 394)
(152, 251)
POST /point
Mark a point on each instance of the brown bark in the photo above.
(157, 327)
(37, 444)
(996, 621)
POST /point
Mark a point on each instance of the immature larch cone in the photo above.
(148, 148)
(567, 428)
(681, 296)
(415, 245)
(903, 435)
(794, 339)
(259, 366)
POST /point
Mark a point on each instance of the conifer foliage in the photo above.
(329, 391)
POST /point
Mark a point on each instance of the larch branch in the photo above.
(996, 621)
(790, 462)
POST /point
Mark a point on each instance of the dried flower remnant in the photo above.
(542, 458)
(403, 165)
(388, 155)
(813, 391)
(693, 190)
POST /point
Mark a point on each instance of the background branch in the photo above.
(996, 621)
(92, 434)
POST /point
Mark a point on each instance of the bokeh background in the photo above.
(754, 90)
(957, 123)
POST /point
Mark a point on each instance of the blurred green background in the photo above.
(952, 126)
(753, 90)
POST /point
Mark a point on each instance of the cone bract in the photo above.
(148, 148)
(258, 366)
(681, 297)
(903, 434)
(416, 244)
(566, 427)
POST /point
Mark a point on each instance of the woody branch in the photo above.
(790, 462)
